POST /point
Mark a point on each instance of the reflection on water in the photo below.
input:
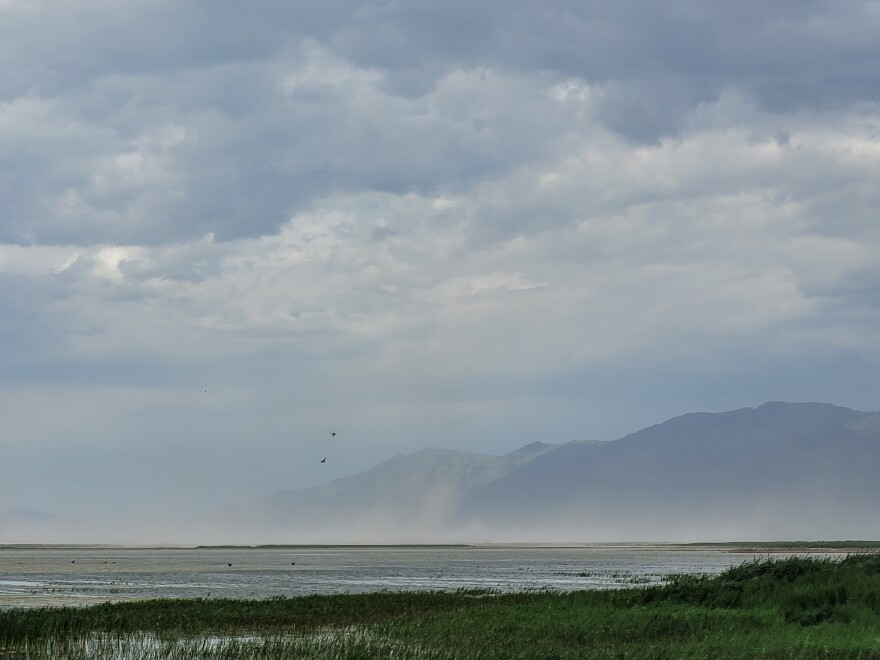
(76, 576)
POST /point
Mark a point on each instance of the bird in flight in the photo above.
(332, 435)
(324, 460)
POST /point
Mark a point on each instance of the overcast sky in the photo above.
(228, 229)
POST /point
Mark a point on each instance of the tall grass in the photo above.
(195, 616)
(804, 590)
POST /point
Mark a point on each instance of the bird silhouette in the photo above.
(332, 435)
(228, 564)
(324, 460)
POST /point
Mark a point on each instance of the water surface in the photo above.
(43, 576)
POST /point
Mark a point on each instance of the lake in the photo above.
(41, 576)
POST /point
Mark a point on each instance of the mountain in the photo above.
(407, 497)
(778, 471)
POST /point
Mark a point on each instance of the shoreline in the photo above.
(731, 546)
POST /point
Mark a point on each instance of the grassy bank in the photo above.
(792, 546)
(790, 608)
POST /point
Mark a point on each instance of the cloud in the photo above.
(458, 224)
(158, 120)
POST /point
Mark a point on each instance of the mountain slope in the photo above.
(777, 471)
(417, 494)
(774, 471)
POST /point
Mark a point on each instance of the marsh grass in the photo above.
(791, 545)
(793, 607)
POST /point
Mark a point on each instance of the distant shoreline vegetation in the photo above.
(733, 546)
(785, 545)
(746, 546)
(792, 607)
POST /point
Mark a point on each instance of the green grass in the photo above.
(793, 545)
(197, 616)
(791, 608)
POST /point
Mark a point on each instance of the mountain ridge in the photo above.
(755, 471)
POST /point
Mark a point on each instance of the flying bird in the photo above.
(332, 435)
(324, 460)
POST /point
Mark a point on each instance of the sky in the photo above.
(229, 229)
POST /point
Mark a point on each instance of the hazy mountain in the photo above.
(408, 497)
(24, 525)
(778, 471)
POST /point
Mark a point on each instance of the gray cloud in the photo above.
(449, 224)
(157, 120)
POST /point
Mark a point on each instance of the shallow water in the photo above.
(36, 577)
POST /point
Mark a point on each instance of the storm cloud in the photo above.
(227, 230)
